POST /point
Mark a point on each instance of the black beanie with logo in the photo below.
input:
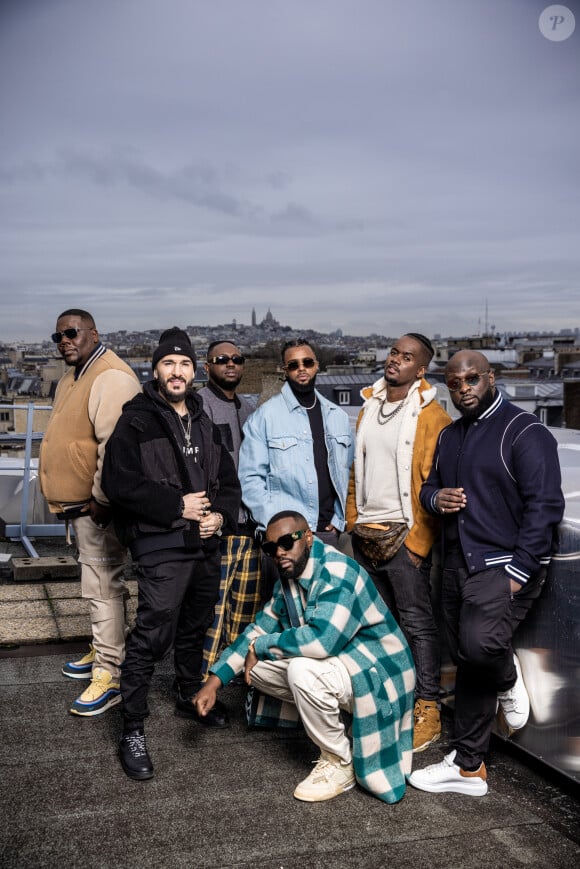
(173, 341)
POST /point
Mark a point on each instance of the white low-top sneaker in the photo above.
(515, 702)
(447, 777)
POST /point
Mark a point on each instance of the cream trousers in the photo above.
(102, 560)
(319, 689)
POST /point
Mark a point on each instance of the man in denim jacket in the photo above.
(297, 451)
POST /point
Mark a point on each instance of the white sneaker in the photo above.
(330, 777)
(447, 777)
(515, 702)
(542, 685)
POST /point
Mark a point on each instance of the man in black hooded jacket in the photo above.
(173, 487)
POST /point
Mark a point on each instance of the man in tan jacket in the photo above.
(397, 432)
(87, 404)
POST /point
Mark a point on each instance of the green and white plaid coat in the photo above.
(342, 614)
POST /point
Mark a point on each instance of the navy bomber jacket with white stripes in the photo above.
(506, 461)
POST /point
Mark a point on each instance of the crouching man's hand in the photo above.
(250, 663)
(206, 697)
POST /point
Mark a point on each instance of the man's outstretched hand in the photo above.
(206, 697)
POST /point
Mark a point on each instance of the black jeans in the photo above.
(328, 537)
(406, 591)
(176, 606)
(481, 615)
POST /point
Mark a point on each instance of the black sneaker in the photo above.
(216, 717)
(134, 757)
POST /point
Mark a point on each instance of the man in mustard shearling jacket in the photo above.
(397, 432)
(87, 404)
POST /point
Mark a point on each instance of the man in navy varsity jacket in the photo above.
(496, 481)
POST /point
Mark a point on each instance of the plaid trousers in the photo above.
(239, 599)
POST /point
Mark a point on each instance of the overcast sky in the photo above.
(368, 165)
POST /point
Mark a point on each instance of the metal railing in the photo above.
(23, 531)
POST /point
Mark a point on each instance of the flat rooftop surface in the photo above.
(223, 798)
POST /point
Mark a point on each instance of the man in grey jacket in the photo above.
(239, 598)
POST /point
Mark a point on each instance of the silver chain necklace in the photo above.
(187, 449)
(312, 406)
(382, 417)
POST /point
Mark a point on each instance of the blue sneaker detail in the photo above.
(100, 695)
(81, 669)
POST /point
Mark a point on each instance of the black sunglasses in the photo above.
(294, 364)
(223, 359)
(471, 380)
(286, 542)
(68, 333)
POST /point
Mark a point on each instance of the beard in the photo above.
(297, 568)
(303, 388)
(174, 397)
(226, 384)
(486, 400)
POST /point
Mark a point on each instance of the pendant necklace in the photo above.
(187, 449)
(383, 417)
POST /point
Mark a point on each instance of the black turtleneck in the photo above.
(308, 398)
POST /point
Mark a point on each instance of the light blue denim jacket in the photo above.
(276, 467)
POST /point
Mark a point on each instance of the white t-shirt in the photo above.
(380, 489)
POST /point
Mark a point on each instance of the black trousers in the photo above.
(481, 615)
(328, 537)
(406, 590)
(176, 606)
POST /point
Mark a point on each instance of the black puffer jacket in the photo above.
(145, 475)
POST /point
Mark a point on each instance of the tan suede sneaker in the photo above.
(330, 777)
(427, 724)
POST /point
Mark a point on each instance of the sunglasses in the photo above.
(295, 364)
(286, 542)
(67, 333)
(223, 359)
(470, 380)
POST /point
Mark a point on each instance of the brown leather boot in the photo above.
(427, 724)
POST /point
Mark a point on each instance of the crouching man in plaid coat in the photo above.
(326, 642)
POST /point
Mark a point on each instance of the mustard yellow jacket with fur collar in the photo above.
(422, 421)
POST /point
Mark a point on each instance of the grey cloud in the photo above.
(197, 185)
(378, 161)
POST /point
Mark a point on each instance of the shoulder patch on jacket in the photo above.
(139, 423)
